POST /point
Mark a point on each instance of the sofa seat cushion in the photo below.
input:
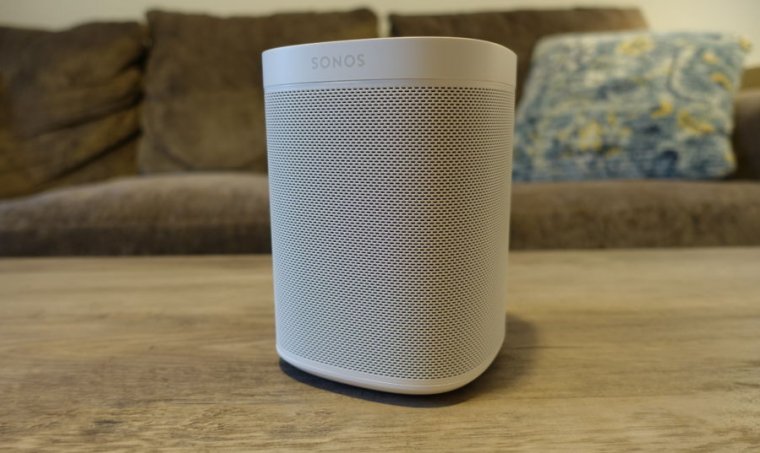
(613, 214)
(215, 213)
(170, 214)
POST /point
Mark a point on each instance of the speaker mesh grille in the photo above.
(390, 210)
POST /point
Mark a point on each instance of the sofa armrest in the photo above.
(746, 136)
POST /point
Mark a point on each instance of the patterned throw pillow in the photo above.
(629, 105)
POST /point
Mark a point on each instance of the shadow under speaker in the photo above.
(389, 169)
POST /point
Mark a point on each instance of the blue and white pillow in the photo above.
(629, 105)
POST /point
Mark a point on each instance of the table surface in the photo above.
(606, 351)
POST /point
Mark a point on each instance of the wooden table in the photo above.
(606, 351)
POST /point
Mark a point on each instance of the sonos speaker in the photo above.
(389, 168)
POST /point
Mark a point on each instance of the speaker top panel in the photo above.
(437, 58)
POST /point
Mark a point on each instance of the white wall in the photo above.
(736, 16)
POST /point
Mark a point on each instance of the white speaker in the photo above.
(389, 170)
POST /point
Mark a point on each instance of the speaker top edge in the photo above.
(442, 58)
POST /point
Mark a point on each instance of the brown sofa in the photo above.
(127, 138)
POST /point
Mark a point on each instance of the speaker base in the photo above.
(384, 383)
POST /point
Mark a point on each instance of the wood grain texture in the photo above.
(606, 351)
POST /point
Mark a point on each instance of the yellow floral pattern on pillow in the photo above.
(629, 105)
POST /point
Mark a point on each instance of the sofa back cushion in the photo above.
(746, 136)
(68, 105)
(204, 107)
(518, 30)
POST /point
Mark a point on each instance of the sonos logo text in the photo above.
(337, 61)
